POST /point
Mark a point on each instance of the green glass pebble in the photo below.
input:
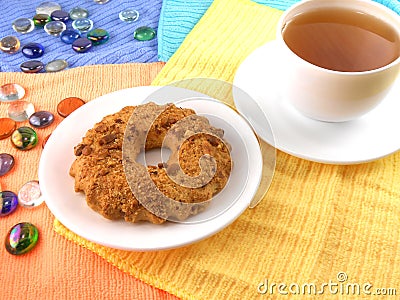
(78, 13)
(23, 25)
(41, 19)
(24, 138)
(21, 238)
(56, 65)
(55, 28)
(144, 33)
(98, 36)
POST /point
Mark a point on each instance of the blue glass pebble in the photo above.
(41, 119)
(8, 203)
(78, 13)
(82, 25)
(21, 238)
(33, 50)
(31, 66)
(60, 15)
(129, 15)
(6, 163)
(69, 36)
(82, 45)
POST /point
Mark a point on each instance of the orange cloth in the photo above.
(57, 268)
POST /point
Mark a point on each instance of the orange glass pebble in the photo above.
(7, 127)
(68, 105)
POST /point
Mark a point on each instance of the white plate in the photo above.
(370, 137)
(71, 210)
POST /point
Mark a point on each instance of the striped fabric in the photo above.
(121, 48)
(178, 17)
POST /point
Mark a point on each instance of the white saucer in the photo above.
(368, 138)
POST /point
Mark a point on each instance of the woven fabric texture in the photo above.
(121, 47)
(316, 221)
(179, 17)
(57, 268)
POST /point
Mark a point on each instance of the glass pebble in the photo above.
(129, 15)
(60, 15)
(56, 65)
(11, 92)
(20, 111)
(78, 13)
(41, 119)
(7, 127)
(31, 66)
(21, 238)
(30, 195)
(23, 25)
(41, 19)
(98, 36)
(47, 8)
(9, 44)
(101, 1)
(82, 45)
(69, 36)
(82, 25)
(24, 138)
(66, 106)
(6, 163)
(8, 203)
(55, 28)
(144, 33)
(33, 50)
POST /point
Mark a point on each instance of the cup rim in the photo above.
(385, 9)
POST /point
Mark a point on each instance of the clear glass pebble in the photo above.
(55, 28)
(82, 25)
(98, 36)
(7, 127)
(23, 25)
(47, 7)
(82, 45)
(69, 36)
(10, 44)
(41, 19)
(41, 119)
(24, 138)
(129, 15)
(101, 1)
(31, 66)
(20, 111)
(144, 33)
(56, 65)
(21, 238)
(11, 92)
(8, 203)
(6, 163)
(78, 13)
(30, 195)
(60, 15)
(33, 50)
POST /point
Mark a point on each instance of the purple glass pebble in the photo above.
(33, 50)
(41, 119)
(6, 163)
(82, 45)
(8, 203)
(69, 36)
(31, 66)
(60, 15)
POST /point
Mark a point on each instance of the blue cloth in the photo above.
(121, 47)
(178, 17)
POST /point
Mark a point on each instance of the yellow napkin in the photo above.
(316, 220)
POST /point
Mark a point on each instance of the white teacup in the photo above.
(330, 95)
